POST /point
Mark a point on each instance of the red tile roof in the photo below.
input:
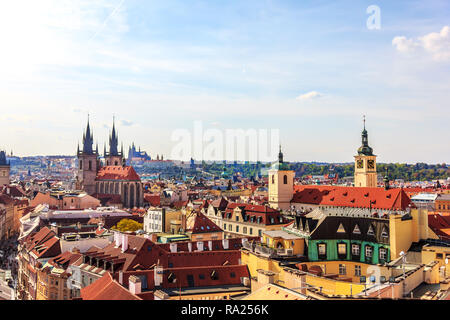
(106, 288)
(261, 214)
(108, 198)
(64, 259)
(224, 275)
(43, 243)
(439, 224)
(199, 223)
(359, 197)
(153, 199)
(117, 173)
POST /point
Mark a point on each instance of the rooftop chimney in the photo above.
(124, 242)
(134, 285)
(225, 243)
(117, 238)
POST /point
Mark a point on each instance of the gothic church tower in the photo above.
(88, 163)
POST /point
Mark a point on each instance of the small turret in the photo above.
(386, 180)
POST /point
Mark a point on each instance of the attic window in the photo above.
(356, 230)
(352, 201)
(332, 199)
(371, 232)
(341, 229)
(171, 278)
(366, 194)
(345, 193)
(388, 196)
(384, 233)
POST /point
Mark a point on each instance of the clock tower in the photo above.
(281, 184)
(365, 163)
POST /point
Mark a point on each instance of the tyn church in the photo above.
(111, 180)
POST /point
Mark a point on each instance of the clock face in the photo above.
(371, 164)
(360, 164)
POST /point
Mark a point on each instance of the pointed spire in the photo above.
(88, 139)
(113, 141)
(365, 149)
(280, 156)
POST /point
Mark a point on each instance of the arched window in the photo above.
(285, 179)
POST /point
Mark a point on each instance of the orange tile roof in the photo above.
(199, 223)
(117, 173)
(106, 288)
(359, 197)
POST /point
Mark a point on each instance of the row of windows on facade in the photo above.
(343, 270)
(443, 207)
(356, 250)
(155, 216)
(190, 278)
(284, 179)
(244, 229)
(370, 232)
(254, 219)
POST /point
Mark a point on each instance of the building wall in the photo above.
(44, 198)
(280, 194)
(365, 177)
(4, 175)
(442, 205)
(297, 245)
(439, 254)
(332, 250)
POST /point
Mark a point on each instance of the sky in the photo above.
(310, 69)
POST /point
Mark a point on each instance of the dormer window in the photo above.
(356, 229)
(341, 229)
(371, 231)
(384, 233)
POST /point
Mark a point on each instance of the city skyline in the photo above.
(311, 70)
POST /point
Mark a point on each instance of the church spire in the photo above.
(88, 140)
(365, 149)
(280, 156)
(113, 141)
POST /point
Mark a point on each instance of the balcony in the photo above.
(266, 251)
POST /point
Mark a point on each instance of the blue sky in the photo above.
(308, 68)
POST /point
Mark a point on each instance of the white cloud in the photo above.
(309, 96)
(437, 44)
(126, 123)
(404, 44)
